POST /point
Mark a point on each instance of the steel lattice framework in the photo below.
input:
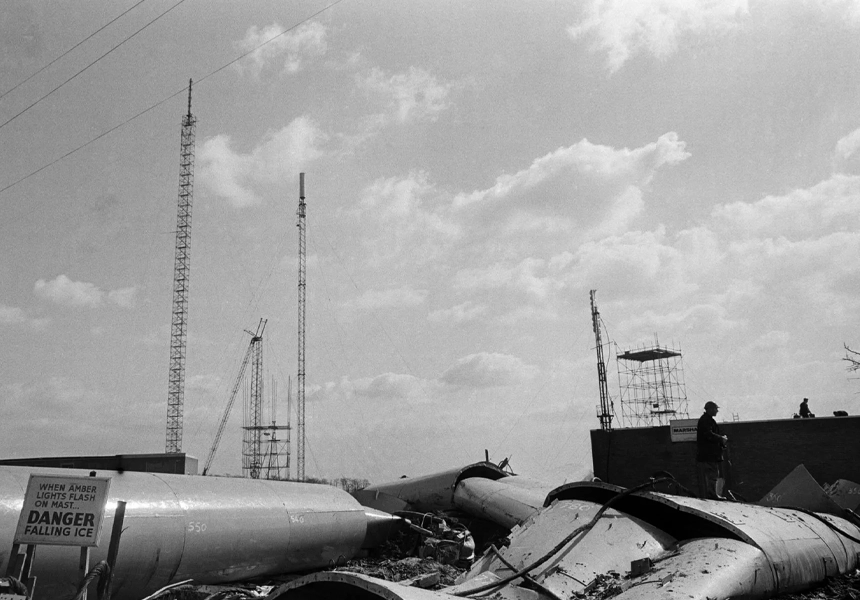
(300, 392)
(652, 386)
(181, 278)
(252, 454)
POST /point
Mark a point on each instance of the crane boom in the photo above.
(226, 415)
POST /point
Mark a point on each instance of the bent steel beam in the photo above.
(210, 529)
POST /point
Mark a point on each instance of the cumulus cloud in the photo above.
(583, 171)
(830, 204)
(237, 176)
(487, 369)
(64, 291)
(412, 224)
(273, 44)
(412, 96)
(623, 28)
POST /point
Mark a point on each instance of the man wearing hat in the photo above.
(709, 452)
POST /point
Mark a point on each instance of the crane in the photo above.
(255, 339)
(605, 414)
(181, 278)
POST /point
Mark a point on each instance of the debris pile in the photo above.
(426, 573)
(843, 587)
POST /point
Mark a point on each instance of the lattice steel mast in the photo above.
(300, 392)
(604, 414)
(181, 274)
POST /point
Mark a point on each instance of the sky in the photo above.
(472, 171)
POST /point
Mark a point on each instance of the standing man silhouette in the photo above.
(709, 452)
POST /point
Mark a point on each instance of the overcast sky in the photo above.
(473, 169)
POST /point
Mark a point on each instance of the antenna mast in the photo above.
(181, 277)
(300, 393)
(604, 414)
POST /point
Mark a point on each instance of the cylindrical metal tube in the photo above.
(211, 529)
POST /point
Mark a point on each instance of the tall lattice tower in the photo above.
(252, 443)
(181, 278)
(300, 392)
(652, 386)
(606, 408)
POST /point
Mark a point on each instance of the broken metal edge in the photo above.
(426, 492)
(337, 584)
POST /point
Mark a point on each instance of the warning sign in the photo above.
(683, 430)
(63, 511)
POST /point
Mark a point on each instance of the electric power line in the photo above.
(162, 101)
(90, 36)
(90, 65)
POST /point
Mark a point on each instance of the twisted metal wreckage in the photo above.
(560, 541)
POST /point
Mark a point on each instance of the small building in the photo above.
(759, 454)
(177, 463)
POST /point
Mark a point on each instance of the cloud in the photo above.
(528, 276)
(461, 313)
(560, 182)
(409, 97)
(846, 148)
(410, 219)
(237, 177)
(401, 297)
(487, 370)
(12, 315)
(624, 28)
(64, 291)
(829, 205)
(275, 45)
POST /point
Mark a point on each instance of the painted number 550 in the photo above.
(196, 527)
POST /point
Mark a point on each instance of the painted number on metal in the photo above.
(297, 519)
(196, 527)
(63, 511)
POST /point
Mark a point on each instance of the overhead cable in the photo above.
(90, 36)
(90, 65)
(160, 102)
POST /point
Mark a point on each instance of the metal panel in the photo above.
(429, 492)
(702, 569)
(506, 502)
(611, 545)
(212, 529)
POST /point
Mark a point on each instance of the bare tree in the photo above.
(853, 358)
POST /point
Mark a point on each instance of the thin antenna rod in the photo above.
(300, 410)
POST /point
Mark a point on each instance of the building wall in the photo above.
(759, 455)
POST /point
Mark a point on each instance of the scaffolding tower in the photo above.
(262, 450)
(277, 449)
(652, 386)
